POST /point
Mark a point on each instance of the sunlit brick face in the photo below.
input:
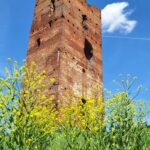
(65, 39)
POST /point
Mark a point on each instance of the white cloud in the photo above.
(115, 18)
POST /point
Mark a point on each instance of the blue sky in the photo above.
(120, 55)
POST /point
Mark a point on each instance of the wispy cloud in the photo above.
(115, 18)
(127, 37)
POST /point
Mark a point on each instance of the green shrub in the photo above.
(29, 120)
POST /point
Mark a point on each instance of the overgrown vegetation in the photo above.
(29, 120)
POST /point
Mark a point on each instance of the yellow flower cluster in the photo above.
(32, 115)
(87, 115)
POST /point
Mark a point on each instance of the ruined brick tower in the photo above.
(65, 40)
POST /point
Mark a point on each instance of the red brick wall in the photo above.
(57, 44)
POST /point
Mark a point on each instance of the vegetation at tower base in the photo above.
(29, 119)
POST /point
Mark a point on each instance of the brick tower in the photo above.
(65, 40)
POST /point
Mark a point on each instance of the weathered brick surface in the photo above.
(65, 40)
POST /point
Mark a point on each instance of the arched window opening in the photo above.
(83, 70)
(50, 23)
(88, 50)
(84, 22)
(52, 6)
(38, 41)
